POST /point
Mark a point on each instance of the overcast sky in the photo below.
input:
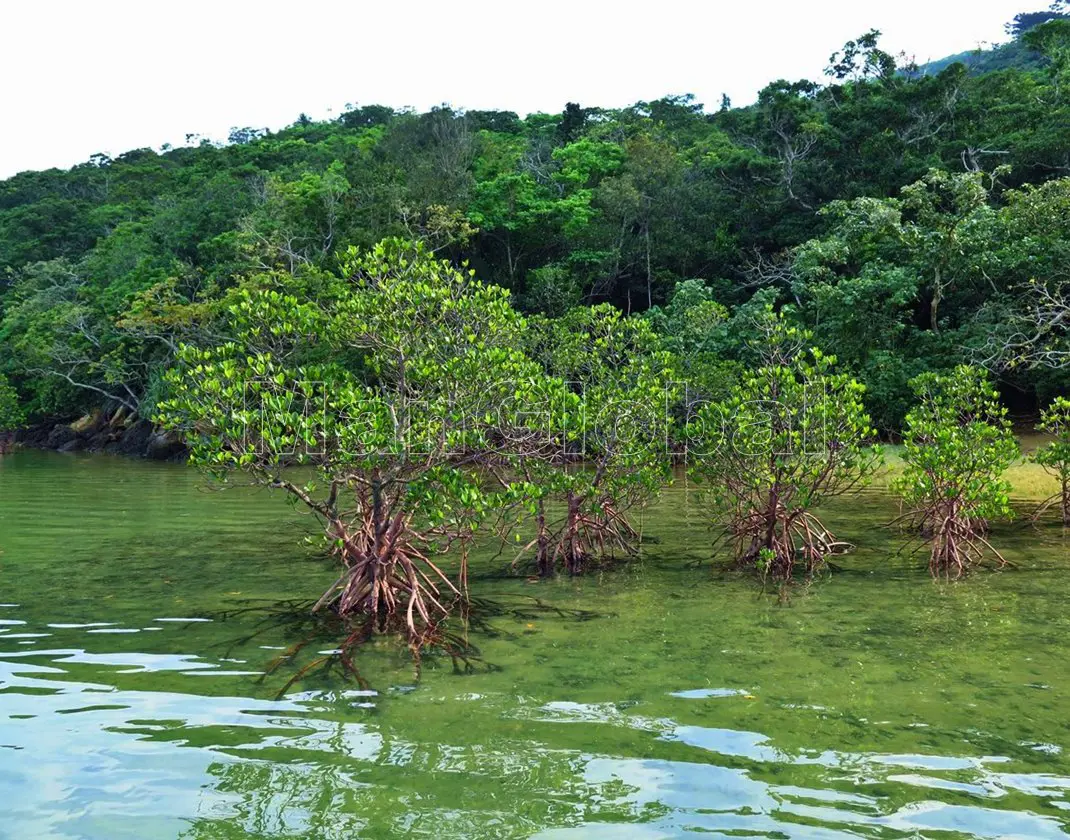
(86, 76)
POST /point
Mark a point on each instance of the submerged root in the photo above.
(347, 636)
(581, 540)
(777, 543)
(463, 655)
(390, 584)
(1060, 501)
(523, 608)
(389, 587)
(957, 542)
(587, 538)
(316, 629)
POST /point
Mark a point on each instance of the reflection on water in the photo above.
(876, 704)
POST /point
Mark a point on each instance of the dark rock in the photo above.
(34, 436)
(163, 446)
(104, 433)
(99, 441)
(135, 440)
(61, 436)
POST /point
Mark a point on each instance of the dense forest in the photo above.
(913, 219)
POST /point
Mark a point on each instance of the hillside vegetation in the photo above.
(912, 221)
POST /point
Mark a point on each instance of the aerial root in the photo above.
(777, 542)
(390, 580)
(957, 542)
(1061, 500)
(582, 538)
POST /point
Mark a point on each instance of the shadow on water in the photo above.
(295, 619)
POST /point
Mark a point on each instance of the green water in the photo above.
(874, 704)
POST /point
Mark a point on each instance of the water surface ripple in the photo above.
(875, 704)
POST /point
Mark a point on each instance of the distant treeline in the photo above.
(911, 221)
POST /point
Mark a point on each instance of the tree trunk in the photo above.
(649, 273)
(1066, 500)
(938, 296)
(575, 554)
(543, 558)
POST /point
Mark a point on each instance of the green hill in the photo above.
(1012, 55)
(895, 215)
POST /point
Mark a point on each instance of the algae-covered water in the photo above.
(664, 699)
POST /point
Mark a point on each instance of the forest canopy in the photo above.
(912, 221)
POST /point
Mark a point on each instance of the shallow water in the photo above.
(874, 704)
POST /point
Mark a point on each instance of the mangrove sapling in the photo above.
(397, 426)
(958, 443)
(792, 435)
(625, 463)
(1055, 456)
(615, 458)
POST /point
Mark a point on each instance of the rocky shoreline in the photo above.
(118, 434)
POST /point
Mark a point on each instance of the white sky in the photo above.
(85, 76)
